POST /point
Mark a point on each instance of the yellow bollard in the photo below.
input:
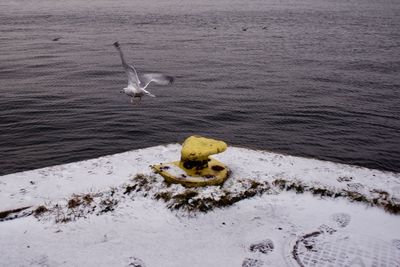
(196, 168)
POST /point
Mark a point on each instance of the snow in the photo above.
(267, 229)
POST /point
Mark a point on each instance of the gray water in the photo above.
(315, 78)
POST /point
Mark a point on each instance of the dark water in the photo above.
(316, 78)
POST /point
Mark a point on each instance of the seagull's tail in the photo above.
(116, 44)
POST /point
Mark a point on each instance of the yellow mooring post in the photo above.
(196, 168)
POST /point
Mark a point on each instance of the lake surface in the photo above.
(314, 78)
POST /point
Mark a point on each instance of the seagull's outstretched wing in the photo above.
(157, 78)
(133, 78)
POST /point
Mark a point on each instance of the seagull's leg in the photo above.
(136, 102)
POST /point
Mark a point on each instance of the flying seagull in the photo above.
(137, 86)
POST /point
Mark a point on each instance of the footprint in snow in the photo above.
(317, 247)
(259, 250)
(265, 247)
(341, 219)
(396, 243)
(249, 262)
(355, 186)
(135, 262)
(396, 191)
(42, 261)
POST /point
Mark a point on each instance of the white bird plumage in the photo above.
(137, 86)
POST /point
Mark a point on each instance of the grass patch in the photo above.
(74, 202)
(143, 182)
(198, 199)
(40, 210)
(81, 205)
(77, 200)
(194, 200)
(379, 198)
(78, 206)
(129, 189)
(166, 196)
(107, 205)
(7, 213)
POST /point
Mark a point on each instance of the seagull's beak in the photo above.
(121, 91)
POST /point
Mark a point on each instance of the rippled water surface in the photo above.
(315, 78)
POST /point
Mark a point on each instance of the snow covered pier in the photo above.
(275, 210)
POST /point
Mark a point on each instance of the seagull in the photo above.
(137, 86)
